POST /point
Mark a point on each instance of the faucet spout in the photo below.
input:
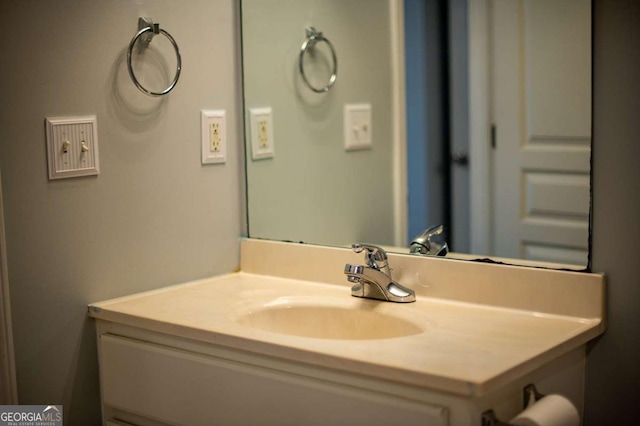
(373, 284)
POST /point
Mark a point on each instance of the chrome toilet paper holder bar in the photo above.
(530, 395)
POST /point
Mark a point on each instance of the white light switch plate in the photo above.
(214, 136)
(262, 144)
(72, 146)
(357, 127)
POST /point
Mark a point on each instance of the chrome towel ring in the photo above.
(147, 30)
(314, 37)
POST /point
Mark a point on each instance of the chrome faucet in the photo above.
(373, 280)
(423, 244)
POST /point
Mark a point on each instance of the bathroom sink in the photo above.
(326, 319)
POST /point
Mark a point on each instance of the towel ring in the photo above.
(145, 26)
(314, 37)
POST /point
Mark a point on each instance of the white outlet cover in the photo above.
(261, 151)
(208, 117)
(72, 146)
(357, 127)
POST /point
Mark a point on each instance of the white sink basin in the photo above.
(457, 346)
(326, 318)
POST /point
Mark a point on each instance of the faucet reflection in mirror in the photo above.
(424, 244)
(373, 280)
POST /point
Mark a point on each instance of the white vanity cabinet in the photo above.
(149, 378)
(200, 353)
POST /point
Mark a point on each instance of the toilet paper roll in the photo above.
(552, 410)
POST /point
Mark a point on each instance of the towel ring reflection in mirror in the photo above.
(147, 29)
(313, 37)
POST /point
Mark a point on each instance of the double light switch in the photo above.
(72, 146)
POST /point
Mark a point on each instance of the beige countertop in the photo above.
(465, 348)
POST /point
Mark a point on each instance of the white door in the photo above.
(541, 108)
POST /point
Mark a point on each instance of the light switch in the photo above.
(72, 146)
(357, 127)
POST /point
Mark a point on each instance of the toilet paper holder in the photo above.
(530, 395)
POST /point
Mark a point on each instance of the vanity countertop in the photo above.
(468, 349)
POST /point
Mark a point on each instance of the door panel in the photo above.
(541, 107)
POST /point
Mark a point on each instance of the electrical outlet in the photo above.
(263, 134)
(261, 122)
(357, 127)
(214, 136)
(216, 140)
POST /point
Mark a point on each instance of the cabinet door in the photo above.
(183, 388)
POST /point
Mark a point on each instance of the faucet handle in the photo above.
(375, 256)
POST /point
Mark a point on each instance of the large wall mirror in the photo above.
(473, 114)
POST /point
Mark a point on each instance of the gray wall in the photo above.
(154, 216)
(313, 190)
(613, 369)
